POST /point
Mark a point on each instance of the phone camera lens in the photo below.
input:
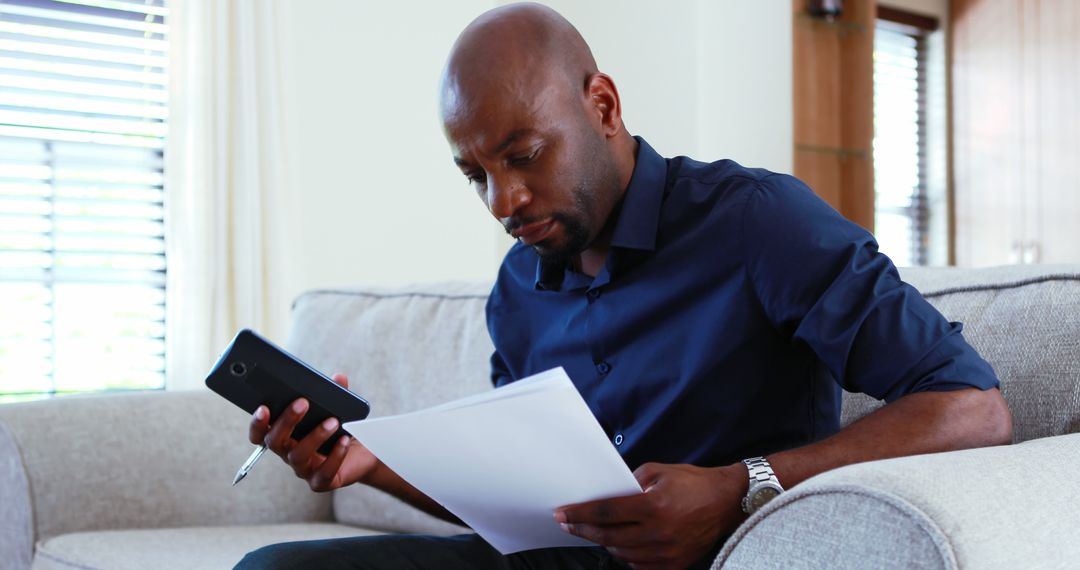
(238, 369)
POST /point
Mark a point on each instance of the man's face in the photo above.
(536, 161)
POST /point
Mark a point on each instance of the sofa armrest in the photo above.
(16, 522)
(137, 460)
(1010, 506)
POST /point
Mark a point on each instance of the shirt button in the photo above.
(592, 294)
(618, 439)
(603, 368)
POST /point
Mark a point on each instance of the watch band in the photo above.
(760, 470)
(762, 482)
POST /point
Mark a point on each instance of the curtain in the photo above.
(229, 241)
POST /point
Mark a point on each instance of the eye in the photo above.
(475, 177)
(522, 160)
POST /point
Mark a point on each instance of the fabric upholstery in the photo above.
(1025, 321)
(189, 548)
(81, 468)
(403, 350)
(16, 518)
(146, 460)
(999, 507)
(805, 538)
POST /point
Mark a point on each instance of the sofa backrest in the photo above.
(1025, 321)
(403, 350)
(410, 348)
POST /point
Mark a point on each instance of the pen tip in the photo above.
(239, 477)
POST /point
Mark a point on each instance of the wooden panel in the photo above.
(816, 80)
(987, 170)
(857, 180)
(1016, 125)
(822, 172)
(833, 107)
(1057, 227)
(857, 124)
(1028, 147)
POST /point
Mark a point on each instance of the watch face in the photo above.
(762, 496)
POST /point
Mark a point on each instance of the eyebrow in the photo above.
(513, 137)
(510, 139)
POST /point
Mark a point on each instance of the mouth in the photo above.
(535, 232)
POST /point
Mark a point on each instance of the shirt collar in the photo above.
(639, 215)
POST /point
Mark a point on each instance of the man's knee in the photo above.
(286, 555)
(383, 551)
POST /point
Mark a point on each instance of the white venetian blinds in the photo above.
(901, 214)
(82, 257)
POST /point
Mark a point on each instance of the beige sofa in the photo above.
(143, 480)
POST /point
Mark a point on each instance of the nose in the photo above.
(506, 196)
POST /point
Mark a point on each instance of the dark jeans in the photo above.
(414, 551)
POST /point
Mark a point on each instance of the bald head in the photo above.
(536, 129)
(528, 46)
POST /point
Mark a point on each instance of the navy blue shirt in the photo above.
(733, 305)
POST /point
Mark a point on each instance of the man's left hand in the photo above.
(683, 511)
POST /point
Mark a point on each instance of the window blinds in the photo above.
(82, 255)
(901, 211)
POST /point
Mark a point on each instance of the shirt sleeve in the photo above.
(822, 282)
(500, 373)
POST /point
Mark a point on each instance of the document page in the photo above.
(502, 461)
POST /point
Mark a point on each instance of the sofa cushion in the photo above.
(1025, 320)
(174, 548)
(403, 350)
(77, 477)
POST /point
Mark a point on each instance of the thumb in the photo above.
(342, 380)
(647, 474)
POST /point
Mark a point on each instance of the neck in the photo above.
(592, 259)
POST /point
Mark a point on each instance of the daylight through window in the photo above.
(82, 253)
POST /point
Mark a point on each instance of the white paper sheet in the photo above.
(502, 461)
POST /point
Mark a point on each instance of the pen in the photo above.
(251, 461)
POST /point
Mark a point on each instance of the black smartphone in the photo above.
(253, 371)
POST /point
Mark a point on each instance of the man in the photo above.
(699, 308)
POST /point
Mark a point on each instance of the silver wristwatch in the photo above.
(764, 486)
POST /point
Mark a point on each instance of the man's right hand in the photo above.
(348, 463)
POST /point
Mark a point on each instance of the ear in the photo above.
(603, 103)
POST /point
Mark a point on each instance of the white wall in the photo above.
(381, 201)
(705, 78)
(745, 93)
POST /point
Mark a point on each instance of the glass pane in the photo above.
(109, 336)
(898, 168)
(83, 103)
(894, 237)
(25, 348)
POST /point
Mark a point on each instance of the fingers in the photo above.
(606, 512)
(635, 537)
(279, 438)
(323, 477)
(259, 426)
(642, 557)
(302, 454)
(647, 474)
(341, 379)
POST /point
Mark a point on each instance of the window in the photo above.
(82, 252)
(903, 216)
